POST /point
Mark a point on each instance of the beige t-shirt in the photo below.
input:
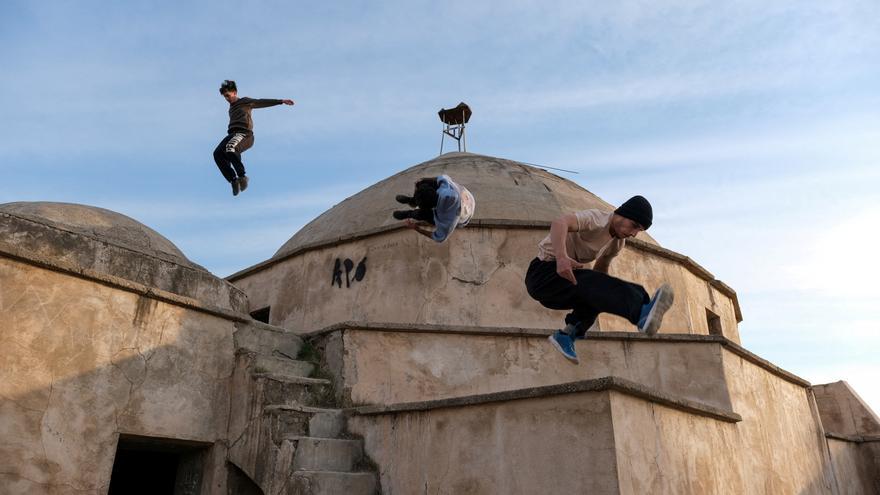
(592, 239)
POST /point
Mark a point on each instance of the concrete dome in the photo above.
(506, 192)
(100, 224)
(78, 237)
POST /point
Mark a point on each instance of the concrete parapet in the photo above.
(557, 444)
(389, 363)
(606, 435)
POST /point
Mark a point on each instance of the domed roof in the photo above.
(506, 192)
(90, 240)
(100, 224)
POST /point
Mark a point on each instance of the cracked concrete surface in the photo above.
(81, 362)
(457, 450)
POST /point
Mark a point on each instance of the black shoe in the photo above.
(236, 187)
(404, 214)
(405, 200)
(242, 183)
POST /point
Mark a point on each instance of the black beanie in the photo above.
(638, 210)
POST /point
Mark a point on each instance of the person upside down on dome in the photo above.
(240, 134)
(440, 202)
(560, 279)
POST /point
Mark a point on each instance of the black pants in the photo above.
(227, 154)
(423, 215)
(595, 293)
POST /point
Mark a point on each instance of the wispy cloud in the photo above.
(187, 211)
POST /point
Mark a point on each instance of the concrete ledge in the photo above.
(853, 438)
(133, 287)
(597, 385)
(544, 332)
(423, 328)
(138, 263)
(504, 331)
(763, 363)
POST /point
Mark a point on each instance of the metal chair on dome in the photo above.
(454, 120)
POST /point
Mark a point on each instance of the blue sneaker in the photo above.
(563, 343)
(652, 313)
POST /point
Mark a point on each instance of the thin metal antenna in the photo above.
(551, 168)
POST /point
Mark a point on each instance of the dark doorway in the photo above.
(145, 465)
(713, 321)
(261, 314)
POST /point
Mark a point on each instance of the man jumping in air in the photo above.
(559, 278)
(440, 202)
(240, 135)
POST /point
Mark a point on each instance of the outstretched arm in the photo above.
(268, 102)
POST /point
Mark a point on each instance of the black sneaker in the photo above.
(236, 188)
(405, 200)
(242, 183)
(403, 214)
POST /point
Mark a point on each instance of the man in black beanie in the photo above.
(560, 279)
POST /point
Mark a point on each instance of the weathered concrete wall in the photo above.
(843, 412)
(661, 450)
(783, 449)
(778, 447)
(476, 278)
(390, 367)
(82, 362)
(854, 470)
(871, 454)
(558, 444)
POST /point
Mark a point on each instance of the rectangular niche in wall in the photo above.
(714, 323)
(159, 466)
(261, 314)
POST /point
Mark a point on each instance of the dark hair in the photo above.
(425, 195)
(228, 86)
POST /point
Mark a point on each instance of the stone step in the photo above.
(295, 419)
(331, 483)
(327, 424)
(325, 454)
(284, 389)
(288, 368)
(268, 340)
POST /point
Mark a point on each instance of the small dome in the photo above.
(83, 237)
(99, 224)
(506, 192)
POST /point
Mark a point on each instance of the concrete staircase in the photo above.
(284, 432)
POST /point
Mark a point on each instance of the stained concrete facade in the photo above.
(113, 341)
(436, 337)
(414, 367)
(476, 277)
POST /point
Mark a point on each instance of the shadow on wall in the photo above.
(83, 363)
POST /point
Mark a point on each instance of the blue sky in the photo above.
(751, 126)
